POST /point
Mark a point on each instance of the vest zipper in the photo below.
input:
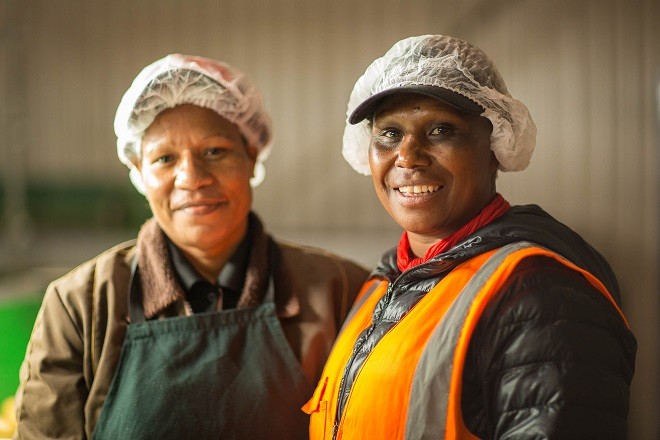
(388, 297)
(342, 384)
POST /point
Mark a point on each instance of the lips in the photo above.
(416, 195)
(197, 207)
(417, 190)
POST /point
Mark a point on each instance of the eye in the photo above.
(163, 160)
(442, 130)
(215, 152)
(386, 135)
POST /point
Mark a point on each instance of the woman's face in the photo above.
(431, 164)
(196, 171)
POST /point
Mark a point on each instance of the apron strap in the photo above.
(135, 307)
(274, 266)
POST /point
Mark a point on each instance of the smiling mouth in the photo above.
(417, 190)
(198, 208)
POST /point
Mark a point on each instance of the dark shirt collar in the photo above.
(232, 275)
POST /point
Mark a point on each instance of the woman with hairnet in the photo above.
(486, 320)
(205, 327)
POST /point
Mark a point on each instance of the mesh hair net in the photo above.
(183, 79)
(450, 64)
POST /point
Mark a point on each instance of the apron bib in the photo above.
(219, 375)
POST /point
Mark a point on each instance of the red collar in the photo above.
(405, 258)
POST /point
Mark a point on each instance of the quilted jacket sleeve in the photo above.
(552, 359)
(52, 393)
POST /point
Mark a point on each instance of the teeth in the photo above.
(418, 189)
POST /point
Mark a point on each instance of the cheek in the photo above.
(154, 183)
(476, 176)
(474, 162)
(373, 159)
(150, 181)
(236, 180)
(236, 176)
(379, 163)
(157, 185)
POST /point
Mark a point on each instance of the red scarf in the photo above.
(405, 258)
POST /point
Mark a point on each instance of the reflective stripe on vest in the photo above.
(410, 384)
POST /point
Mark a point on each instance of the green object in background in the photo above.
(16, 321)
(76, 204)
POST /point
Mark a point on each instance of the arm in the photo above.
(550, 359)
(52, 393)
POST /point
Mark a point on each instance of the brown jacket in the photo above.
(78, 334)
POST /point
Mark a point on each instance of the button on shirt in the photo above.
(204, 296)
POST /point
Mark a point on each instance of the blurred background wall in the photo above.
(589, 72)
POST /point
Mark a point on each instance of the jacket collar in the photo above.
(161, 290)
(520, 223)
(231, 277)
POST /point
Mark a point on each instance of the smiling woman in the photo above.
(196, 171)
(486, 320)
(432, 166)
(216, 329)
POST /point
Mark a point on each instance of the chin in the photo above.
(416, 223)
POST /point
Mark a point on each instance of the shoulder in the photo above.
(542, 288)
(118, 256)
(77, 287)
(544, 300)
(550, 343)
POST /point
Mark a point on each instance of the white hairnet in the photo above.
(184, 79)
(449, 69)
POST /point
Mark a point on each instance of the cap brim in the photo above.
(454, 99)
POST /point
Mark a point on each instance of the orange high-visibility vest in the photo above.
(409, 387)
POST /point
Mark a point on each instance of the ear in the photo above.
(258, 169)
(136, 179)
(137, 163)
(252, 152)
(258, 174)
(252, 155)
(494, 165)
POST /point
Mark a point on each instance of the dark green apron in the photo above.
(219, 375)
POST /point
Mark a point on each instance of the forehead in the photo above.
(411, 107)
(186, 117)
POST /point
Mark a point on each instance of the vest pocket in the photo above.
(317, 408)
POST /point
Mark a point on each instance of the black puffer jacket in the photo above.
(550, 358)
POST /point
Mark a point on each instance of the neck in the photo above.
(424, 247)
(209, 266)
(210, 261)
(420, 244)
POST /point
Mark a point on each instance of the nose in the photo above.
(191, 173)
(412, 153)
